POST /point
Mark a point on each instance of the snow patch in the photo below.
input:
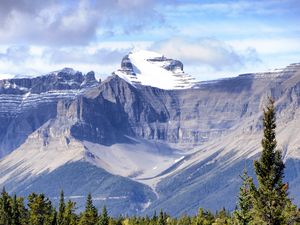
(149, 68)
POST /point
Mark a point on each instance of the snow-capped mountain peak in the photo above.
(154, 69)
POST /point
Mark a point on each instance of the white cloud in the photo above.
(58, 22)
(268, 45)
(207, 58)
(41, 36)
(82, 55)
(15, 54)
(38, 60)
(240, 7)
(207, 52)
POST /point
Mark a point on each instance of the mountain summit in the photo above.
(154, 69)
(139, 148)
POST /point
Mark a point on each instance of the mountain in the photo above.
(154, 69)
(139, 148)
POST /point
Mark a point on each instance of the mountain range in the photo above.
(148, 137)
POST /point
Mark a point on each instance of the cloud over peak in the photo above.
(212, 37)
(206, 52)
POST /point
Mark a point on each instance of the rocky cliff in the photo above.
(160, 147)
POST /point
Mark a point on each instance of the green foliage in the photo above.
(222, 217)
(40, 210)
(104, 219)
(162, 219)
(243, 215)
(70, 217)
(16, 214)
(184, 220)
(53, 217)
(203, 217)
(6, 209)
(61, 210)
(90, 215)
(270, 198)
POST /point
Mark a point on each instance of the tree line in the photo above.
(264, 203)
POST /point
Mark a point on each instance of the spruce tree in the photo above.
(161, 218)
(5, 210)
(242, 214)
(90, 215)
(154, 217)
(40, 209)
(16, 214)
(270, 197)
(61, 210)
(53, 219)
(203, 217)
(70, 216)
(184, 220)
(222, 217)
(23, 212)
(104, 219)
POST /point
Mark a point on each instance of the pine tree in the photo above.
(222, 217)
(203, 217)
(120, 219)
(23, 212)
(104, 219)
(61, 209)
(5, 210)
(154, 217)
(184, 220)
(16, 217)
(53, 220)
(161, 218)
(270, 197)
(243, 212)
(70, 216)
(40, 209)
(90, 215)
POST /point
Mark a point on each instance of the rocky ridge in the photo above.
(159, 146)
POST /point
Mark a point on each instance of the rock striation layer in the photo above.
(138, 147)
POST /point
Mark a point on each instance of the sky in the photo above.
(213, 39)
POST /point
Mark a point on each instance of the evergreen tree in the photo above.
(104, 219)
(161, 219)
(90, 215)
(40, 209)
(184, 220)
(270, 197)
(154, 217)
(70, 216)
(16, 214)
(61, 210)
(222, 217)
(53, 220)
(120, 219)
(243, 212)
(5, 210)
(23, 212)
(203, 217)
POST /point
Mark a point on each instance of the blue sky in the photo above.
(212, 38)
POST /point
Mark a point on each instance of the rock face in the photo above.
(160, 147)
(28, 103)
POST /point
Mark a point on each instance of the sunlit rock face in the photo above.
(139, 147)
